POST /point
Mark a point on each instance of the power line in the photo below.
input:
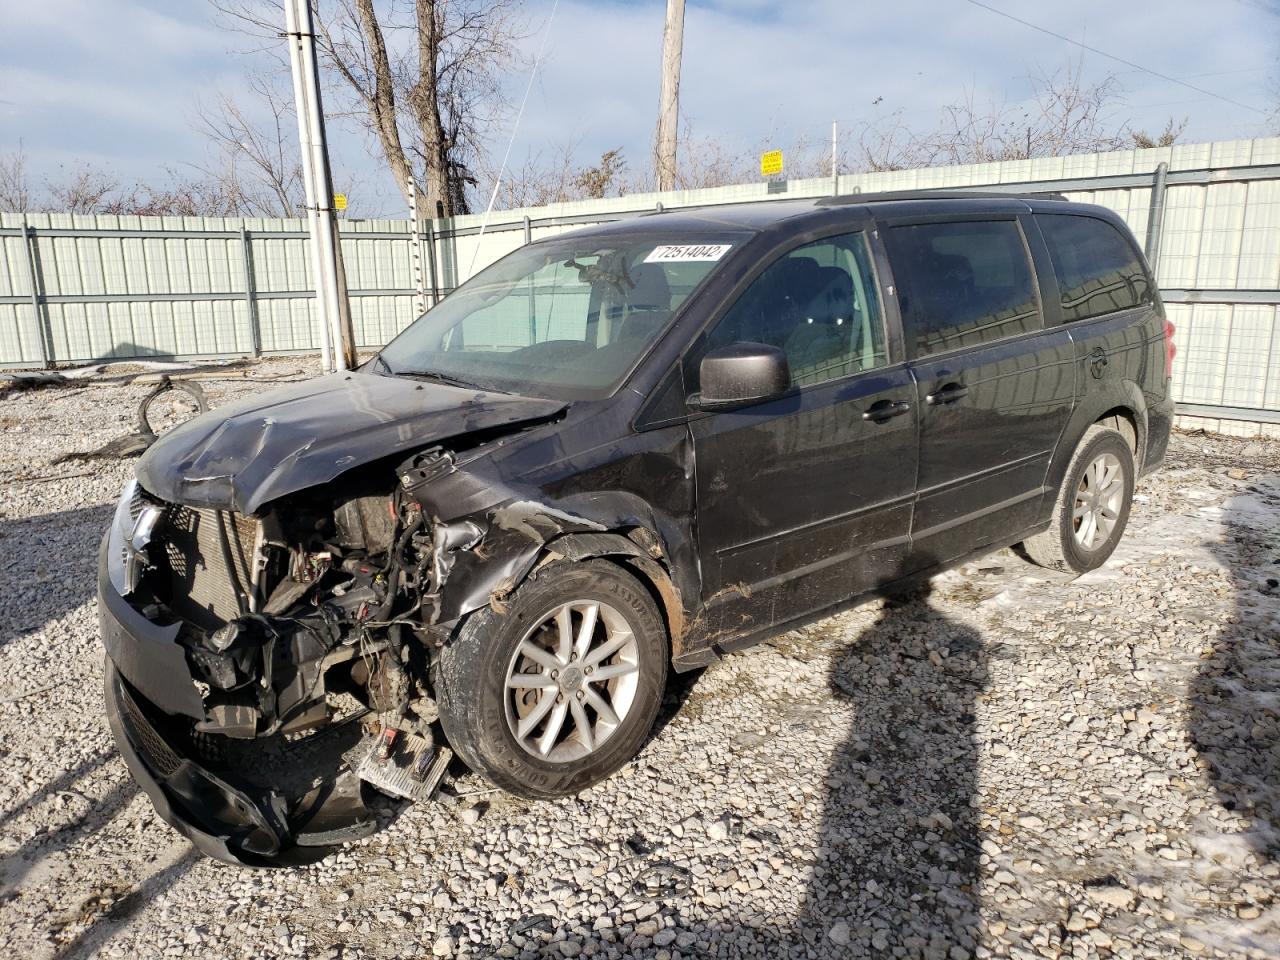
(1111, 56)
(515, 128)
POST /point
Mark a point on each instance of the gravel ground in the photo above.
(1015, 765)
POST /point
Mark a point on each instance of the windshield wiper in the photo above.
(436, 375)
(377, 358)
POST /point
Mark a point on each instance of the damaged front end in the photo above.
(279, 583)
(270, 594)
(265, 671)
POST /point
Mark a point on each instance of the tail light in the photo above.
(1170, 350)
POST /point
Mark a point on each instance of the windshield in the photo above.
(564, 319)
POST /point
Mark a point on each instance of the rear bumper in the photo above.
(1159, 426)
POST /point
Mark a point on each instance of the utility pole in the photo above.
(333, 309)
(835, 159)
(669, 105)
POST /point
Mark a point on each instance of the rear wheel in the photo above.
(1093, 504)
(562, 688)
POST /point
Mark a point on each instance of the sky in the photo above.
(118, 83)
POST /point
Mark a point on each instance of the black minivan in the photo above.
(615, 452)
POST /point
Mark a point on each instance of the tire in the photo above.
(1065, 545)
(482, 716)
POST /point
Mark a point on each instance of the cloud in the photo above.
(746, 80)
(121, 80)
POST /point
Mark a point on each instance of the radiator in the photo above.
(201, 587)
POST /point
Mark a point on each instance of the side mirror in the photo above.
(742, 373)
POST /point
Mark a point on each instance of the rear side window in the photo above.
(1098, 269)
(962, 284)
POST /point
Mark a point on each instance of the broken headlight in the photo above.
(131, 529)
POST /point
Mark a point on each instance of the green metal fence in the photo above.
(85, 288)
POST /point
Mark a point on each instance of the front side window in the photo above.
(564, 319)
(818, 304)
(1098, 270)
(962, 284)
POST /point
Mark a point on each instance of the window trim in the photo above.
(1126, 236)
(776, 256)
(1028, 252)
(740, 238)
(866, 226)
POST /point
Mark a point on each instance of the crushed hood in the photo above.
(244, 455)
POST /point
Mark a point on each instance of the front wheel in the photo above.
(1092, 508)
(560, 689)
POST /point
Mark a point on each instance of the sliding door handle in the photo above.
(947, 394)
(886, 410)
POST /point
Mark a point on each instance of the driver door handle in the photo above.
(884, 410)
(947, 394)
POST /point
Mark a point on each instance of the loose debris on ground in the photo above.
(1016, 764)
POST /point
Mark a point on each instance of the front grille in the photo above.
(201, 587)
(137, 503)
(159, 756)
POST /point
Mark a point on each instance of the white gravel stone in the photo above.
(955, 776)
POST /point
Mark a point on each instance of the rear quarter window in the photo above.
(1099, 270)
(962, 284)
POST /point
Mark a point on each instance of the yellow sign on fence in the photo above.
(771, 163)
(339, 201)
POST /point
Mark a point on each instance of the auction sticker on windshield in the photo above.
(688, 253)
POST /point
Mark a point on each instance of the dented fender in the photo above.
(498, 535)
(486, 569)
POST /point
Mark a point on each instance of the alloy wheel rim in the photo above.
(1098, 502)
(572, 681)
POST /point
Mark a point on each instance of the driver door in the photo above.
(805, 500)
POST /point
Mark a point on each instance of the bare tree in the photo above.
(887, 143)
(1165, 138)
(88, 189)
(1066, 115)
(557, 178)
(257, 165)
(183, 196)
(705, 161)
(423, 77)
(15, 187)
(605, 178)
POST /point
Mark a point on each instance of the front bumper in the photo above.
(149, 694)
(220, 820)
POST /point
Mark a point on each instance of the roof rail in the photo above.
(846, 199)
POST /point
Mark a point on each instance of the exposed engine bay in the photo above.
(309, 631)
(312, 598)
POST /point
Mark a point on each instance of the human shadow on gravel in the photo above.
(49, 565)
(123, 909)
(97, 814)
(897, 863)
(62, 783)
(1235, 697)
(896, 868)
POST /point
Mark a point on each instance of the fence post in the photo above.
(1155, 219)
(415, 249)
(431, 261)
(39, 309)
(528, 231)
(250, 293)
